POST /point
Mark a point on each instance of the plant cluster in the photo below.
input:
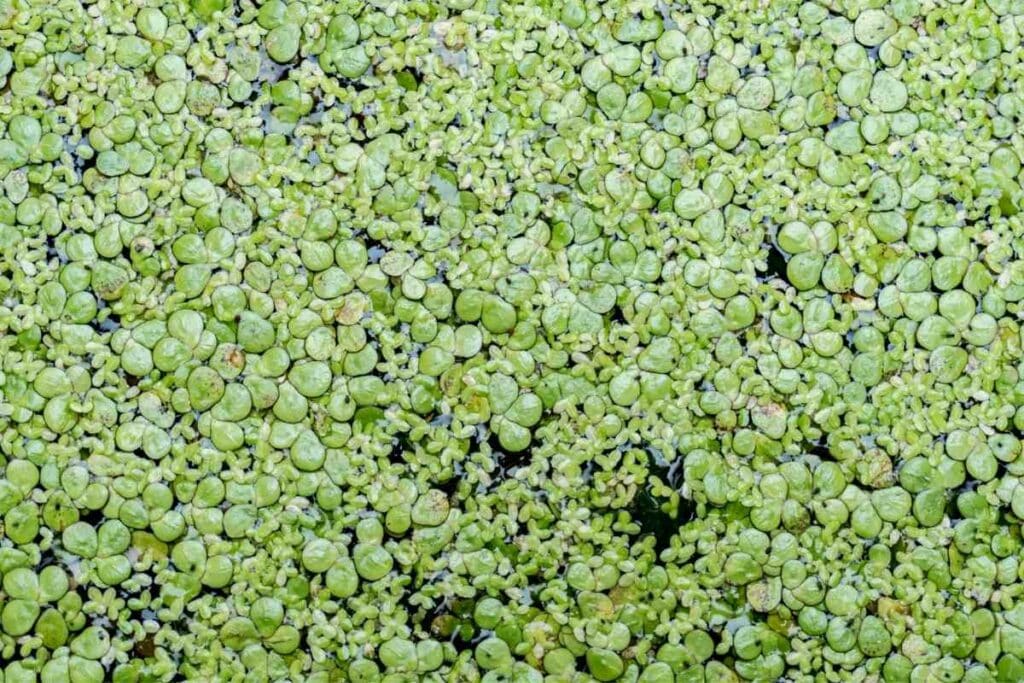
(389, 341)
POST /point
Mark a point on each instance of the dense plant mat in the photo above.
(502, 341)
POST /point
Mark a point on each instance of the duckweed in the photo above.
(479, 341)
